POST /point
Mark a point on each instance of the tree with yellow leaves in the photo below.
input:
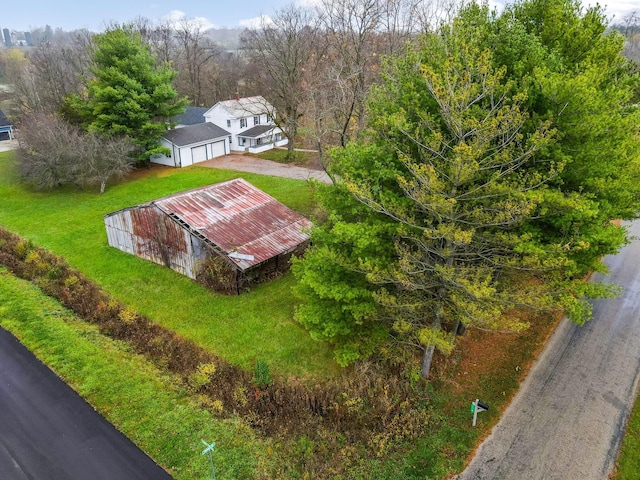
(430, 214)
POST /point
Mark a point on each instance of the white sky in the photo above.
(72, 14)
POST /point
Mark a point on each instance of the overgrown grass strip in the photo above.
(147, 404)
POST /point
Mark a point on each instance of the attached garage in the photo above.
(218, 149)
(199, 154)
(193, 144)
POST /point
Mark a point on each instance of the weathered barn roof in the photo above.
(241, 220)
(195, 134)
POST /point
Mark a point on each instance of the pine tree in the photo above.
(128, 95)
(499, 151)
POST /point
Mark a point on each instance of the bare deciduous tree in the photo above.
(350, 27)
(53, 153)
(281, 52)
(49, 73)
(195, 62)
(632, 37)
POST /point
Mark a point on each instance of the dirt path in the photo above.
(568, 418)
(244, 163)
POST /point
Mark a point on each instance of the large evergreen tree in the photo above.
(471, 194)
(574, 75)
(128, 94)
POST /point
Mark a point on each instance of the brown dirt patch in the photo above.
(481, 355)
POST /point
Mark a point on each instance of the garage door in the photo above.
(217, 149)
(199, 154)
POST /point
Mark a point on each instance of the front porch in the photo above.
(261, 138)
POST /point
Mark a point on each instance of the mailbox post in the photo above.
(477, 407)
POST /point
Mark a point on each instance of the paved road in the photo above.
(567, 420)
(48, 432)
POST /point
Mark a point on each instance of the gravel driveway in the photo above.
(244, 163)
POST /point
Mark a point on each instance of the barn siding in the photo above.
(150, 234)
(183, 231)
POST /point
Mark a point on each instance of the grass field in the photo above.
(628, 465)
(242, 329)
(256, 325)
(146, 404)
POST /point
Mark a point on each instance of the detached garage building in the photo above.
(193, 144)
(228, 236)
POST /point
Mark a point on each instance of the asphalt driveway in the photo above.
(48, 432)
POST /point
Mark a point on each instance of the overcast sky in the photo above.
(70, 15)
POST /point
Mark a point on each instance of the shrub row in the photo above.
(362, 407)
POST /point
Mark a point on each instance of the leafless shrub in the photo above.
(53, 153)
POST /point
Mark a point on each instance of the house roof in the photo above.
(4, 121)
(195, 134)
(242, 107)
(256, 131)
(241, 220)
(191, 116)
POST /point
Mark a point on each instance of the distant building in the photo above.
(7, 37)
(250, 123)
(27, 38)
(6, 128)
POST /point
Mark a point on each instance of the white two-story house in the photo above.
(249, 122)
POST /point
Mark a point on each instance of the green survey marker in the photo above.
(209, 450)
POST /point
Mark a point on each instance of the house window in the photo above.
(243, 122)
(256, 120)
(243, 141)
(230, 138)
(228, 123)
(258, 141)
(269, 119)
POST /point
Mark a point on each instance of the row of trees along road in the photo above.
(498, 150)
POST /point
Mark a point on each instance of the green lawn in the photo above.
(149, 406)
(255, 325)
(628, 465)
(280, 155)
(146, 404)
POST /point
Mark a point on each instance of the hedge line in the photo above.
(364, 407)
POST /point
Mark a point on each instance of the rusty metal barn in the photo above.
(228, 236)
